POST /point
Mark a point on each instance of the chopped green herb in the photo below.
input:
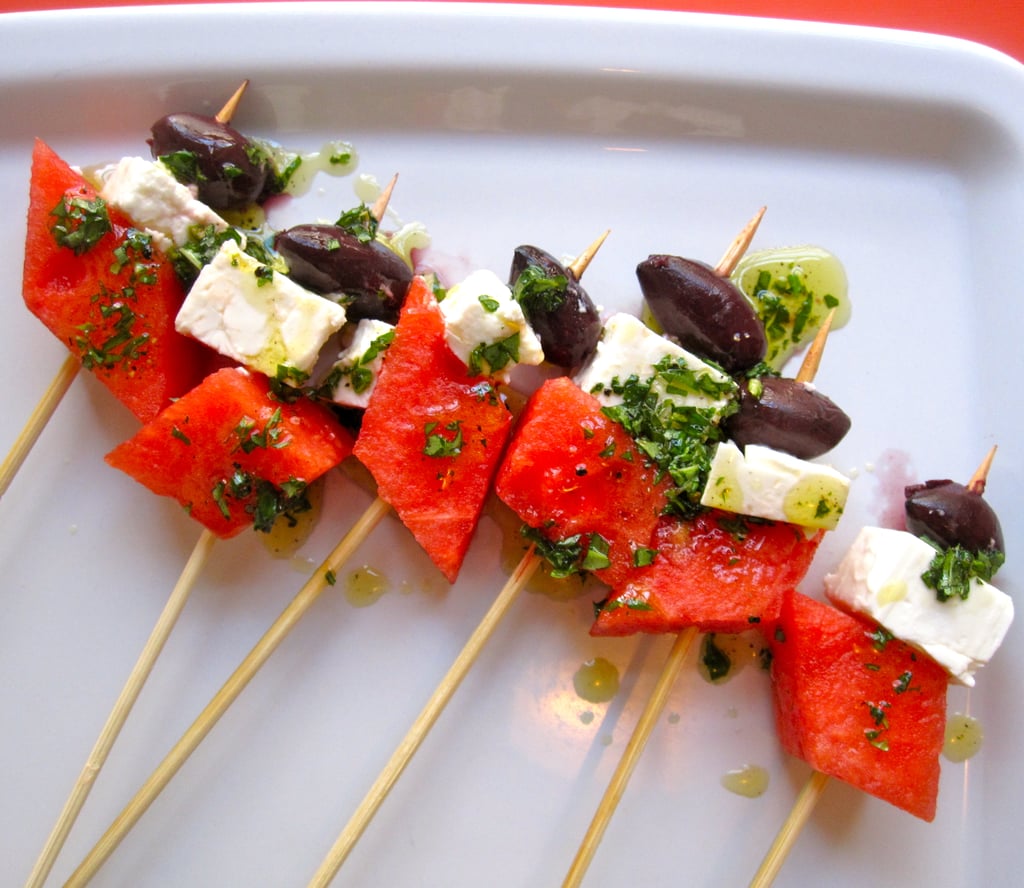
(331, 577)
(440, 444)
(494, 356)
(81, 222)
(184, 166)
(597, 553)
(360, 223)
(952, 570)
(180, 435)
(535, 291)
(880, 637)
(715, 660)
(642, 556)
(489, 305)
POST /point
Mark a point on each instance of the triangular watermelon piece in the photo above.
(432, 435)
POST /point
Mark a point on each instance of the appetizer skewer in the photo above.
(44, 160)
(65, 376)
(670, 671)
(976, 529)
(414, 737)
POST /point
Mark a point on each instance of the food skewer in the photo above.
(684, 640)
(414, 737)
(61, 382)
(813, 789)
(161, 630)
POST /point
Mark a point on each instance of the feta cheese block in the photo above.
(155, 201)
(767, 483)
(260, 318)
(628, 347)
(354, 375)
(880, 577)
(486, 327)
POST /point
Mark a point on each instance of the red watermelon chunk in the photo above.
(719, 572)
(216, 450)
(433, 434)
(857, 704)
(570, 470)
(104, 292)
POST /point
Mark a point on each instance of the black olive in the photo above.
(213, 156)
(367, 278)
(786, 415)
(703, 311)
(950, 513)
(566, 322)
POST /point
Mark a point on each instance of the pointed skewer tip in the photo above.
(740, 245)
(380, 205)
(812, 360)
(980, 476)
(231, 105)
(581, 262)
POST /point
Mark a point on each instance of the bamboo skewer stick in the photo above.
(634, 749)
(673, 663)
(414, 737)
(425, 721)
(235, 684)
(37, 421)
(122, 707)
(787, 835)
(798, 816)
(740, 245)
(231, 105)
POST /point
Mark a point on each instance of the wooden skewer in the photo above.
(787, 835)
(37, 421)
(582, 262)
(634, 749)
(414, 737)
(122, 707)
(798, 816)
(673, 663)
(237, 682)
(812, 360)
(980, 477)
(425, 721)
(231, 105)
(740, 245)
(380, 205)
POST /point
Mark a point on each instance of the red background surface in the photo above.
(998, 23)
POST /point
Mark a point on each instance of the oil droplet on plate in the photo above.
(596, 681)
(365, 586)
(963, 737)
(587, 717)
(749, 781)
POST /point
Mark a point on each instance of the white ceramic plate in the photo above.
(903, 154)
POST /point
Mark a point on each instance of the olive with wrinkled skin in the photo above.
(228, 174)
(369, 279)
(704, 312)
(786, 415)
(950, 513)
(568, 327)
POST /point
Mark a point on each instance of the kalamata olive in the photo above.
(566, 321)
(370, 280)
(786, 415)
(213, 156)
(950, 513)
(702, 311)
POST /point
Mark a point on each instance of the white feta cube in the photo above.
(880, 577)
(480, 315)
(359, 363)
(257, 317)
(767, 483)
(628, 347)
(155, 201)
